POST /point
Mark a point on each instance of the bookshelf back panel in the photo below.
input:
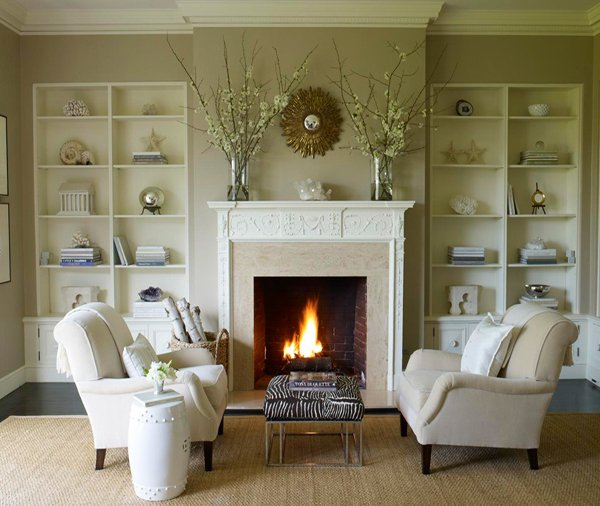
(132, 136)
(128, 184)
(130, 100)
(51, 136)
(455, 232)
(50, 101)
(130, 282)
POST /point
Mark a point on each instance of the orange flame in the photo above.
(308, 344)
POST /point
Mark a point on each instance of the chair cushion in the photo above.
(214, 381)
(416, 386)
(486, 348)
(138, 356)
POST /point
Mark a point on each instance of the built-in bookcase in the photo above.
(115, 128)
(501, 125)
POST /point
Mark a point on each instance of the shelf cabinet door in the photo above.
(450, 337)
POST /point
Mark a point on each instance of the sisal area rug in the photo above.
(49, 461)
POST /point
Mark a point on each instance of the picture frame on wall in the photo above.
(4, 243)
(3, 156)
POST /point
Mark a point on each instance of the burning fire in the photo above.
(307, 345)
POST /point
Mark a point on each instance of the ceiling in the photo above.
(556, 17)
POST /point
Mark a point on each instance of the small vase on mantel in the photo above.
(238, 189)
(381, 177)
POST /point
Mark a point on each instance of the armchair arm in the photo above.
(434, 359)
(189, 357)
(479, 385)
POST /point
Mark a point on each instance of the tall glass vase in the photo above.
(381, 177)
(238, 189)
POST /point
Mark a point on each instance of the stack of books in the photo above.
(148, 158)
(143, 309)
(313, 381)
(537, 256)
(152, 255)
(466, 255)
(535, 157)
(550, 302)
(80, 257)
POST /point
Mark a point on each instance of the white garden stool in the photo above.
(159, 445)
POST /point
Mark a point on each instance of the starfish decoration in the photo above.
(153, 141)
(474, 153)
(452, 154)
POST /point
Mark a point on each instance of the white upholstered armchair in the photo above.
(91, 341)
(445, 406)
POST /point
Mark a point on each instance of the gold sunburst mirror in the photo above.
(311, 122)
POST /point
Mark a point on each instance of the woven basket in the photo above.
(217, 344)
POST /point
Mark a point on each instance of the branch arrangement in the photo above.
(384, 118)
(238, 116)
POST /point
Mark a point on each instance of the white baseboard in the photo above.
(45, 374)
(12, 381)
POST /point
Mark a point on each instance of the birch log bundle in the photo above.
(184, 310)
(198, 321)
(175, 319)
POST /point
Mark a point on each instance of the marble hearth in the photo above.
(332, 238)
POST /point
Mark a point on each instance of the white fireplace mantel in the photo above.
(316, 221)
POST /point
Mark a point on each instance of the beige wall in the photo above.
(11, 294)
(531, 59)
(275, 170)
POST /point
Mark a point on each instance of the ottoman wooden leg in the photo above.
(208, 453)
(403, 426)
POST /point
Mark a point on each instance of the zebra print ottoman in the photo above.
(343, 405)
(283, 407)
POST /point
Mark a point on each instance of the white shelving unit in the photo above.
(500, 124)
(114, 129)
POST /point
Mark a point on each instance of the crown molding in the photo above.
(90, 21)
(413, 14)
(12, 15)
(594, 19)
(505, 22)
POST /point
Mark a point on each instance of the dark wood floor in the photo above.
(572, 396)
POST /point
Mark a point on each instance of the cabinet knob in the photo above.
(454, 343)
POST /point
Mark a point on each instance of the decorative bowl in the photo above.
(538, 109)
(537, 291)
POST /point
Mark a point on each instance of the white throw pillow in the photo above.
(138, 356)
(486, 348)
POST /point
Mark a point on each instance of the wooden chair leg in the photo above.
(533, 458)
(220, 432)
(208, 452)
(403, 426)
(425, 458)
(100, 455)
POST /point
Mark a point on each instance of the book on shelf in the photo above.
(513, 208)
(314, 381)
(550, 302)
(79, 263)
(123, 251)
(144, 309)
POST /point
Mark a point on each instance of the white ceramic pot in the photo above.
(159, 445)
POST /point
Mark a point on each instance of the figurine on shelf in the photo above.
(153, 141)
(80, 240)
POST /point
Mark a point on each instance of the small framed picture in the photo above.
(4, 244)
(3, 156)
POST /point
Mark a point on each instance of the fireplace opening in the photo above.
(336, 308)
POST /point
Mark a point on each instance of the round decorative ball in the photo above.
(152, 196)
(538, 109)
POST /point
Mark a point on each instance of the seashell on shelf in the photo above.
(87, 158)
(70, 152)
(463, 204)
